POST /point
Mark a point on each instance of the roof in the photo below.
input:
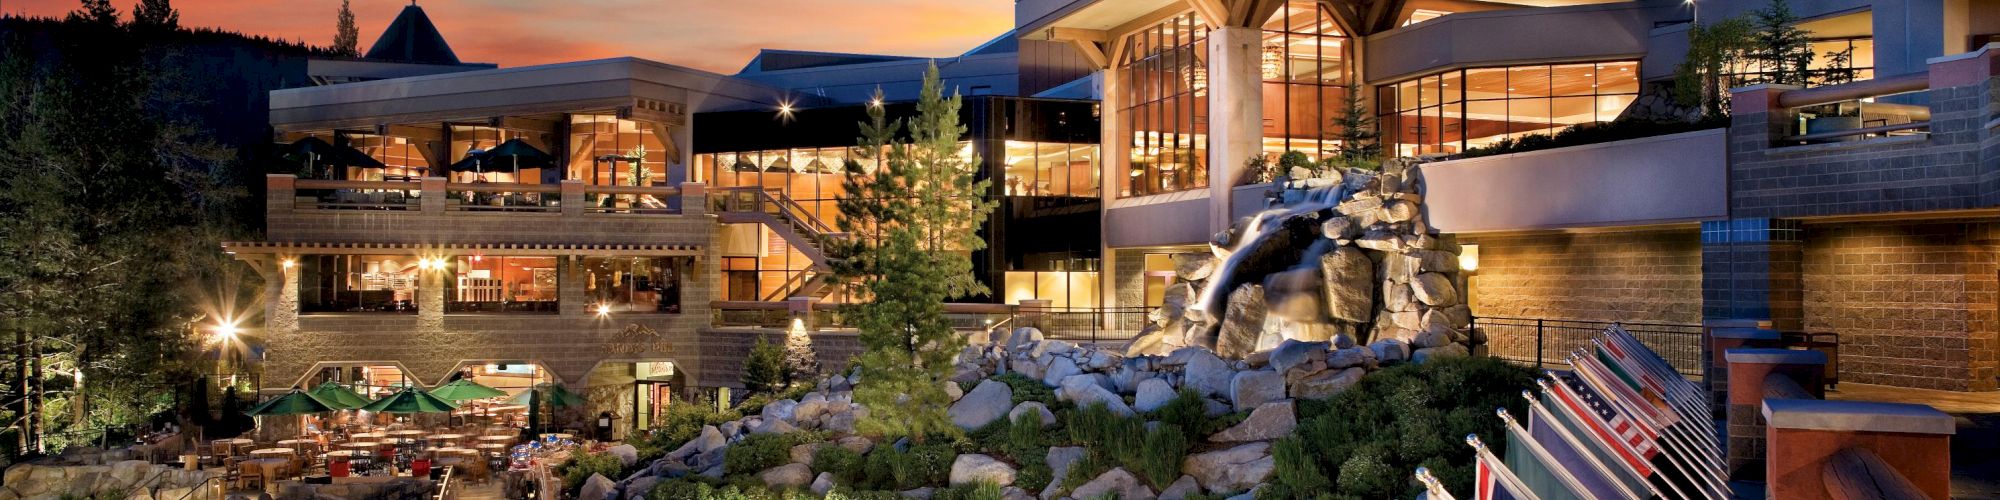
(412, 37)
(779, 60)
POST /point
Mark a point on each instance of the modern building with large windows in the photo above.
(676, 214)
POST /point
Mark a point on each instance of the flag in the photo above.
(1606, 423)
(1618, 395)
(1651, 392)
(1579, 458)
(1542, 472)
(1491, 480)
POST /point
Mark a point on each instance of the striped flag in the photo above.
(1606, 423)
(1491, 479)
(1546, 474)
(1584, 460)
(1620, 395)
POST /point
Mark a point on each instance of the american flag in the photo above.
(1607, 422)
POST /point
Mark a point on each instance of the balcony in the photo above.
(434, 212)
(1670, 178)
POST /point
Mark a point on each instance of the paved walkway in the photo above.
(1975, 468)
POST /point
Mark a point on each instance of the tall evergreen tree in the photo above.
(347, 37)
(764, 370)
(1355, 129)
(1782, 49)
(916, 223)
(95, 11)
(1713, 51)
(156, 14)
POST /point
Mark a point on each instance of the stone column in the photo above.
(1760, 374)
(1750, 268)
(1804, 435)
(1235, 113)
(1721, 340)
(433, 200)
(430, 297)
(572, 197)
(571, 302)
(281, 323)
(280, 193)
(694, 198)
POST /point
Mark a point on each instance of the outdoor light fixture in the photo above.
(1468, 258)
(876, 102)
(287, 263)
(226, 331)
(604, 309)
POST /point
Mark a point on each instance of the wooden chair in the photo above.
(248, 473)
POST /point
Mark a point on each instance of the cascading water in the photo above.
(1254, 232)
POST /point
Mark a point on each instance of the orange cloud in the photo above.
(715, 35)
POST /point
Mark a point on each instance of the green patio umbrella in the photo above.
(410, 400)
(465, 389)
(552, 394)
(340, 398)
(297, 402)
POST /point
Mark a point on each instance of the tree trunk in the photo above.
(35, 424)
(21, 406)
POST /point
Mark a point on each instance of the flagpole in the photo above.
(1497, 470)
(1607, 432)
(1536, 411)
(1673, 448)
(1688, 400)
(1516, 433)
(1433, 489)
(1593, 368)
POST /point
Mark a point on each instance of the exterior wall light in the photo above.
(604, 309)
(1468, 258)
(288, 263)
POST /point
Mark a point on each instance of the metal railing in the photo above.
(322, 194)
(1092, 324)
(631, 199)
(1545, 343)
(503, 197)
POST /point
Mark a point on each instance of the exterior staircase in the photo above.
(799, 228)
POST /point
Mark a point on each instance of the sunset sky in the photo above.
(715, 35)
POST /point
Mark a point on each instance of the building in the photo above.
(680, 214)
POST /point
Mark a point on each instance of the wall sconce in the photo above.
(1468, 258)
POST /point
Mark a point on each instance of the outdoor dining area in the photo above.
(469, 432)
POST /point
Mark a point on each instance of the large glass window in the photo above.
(467, 140)
(1455, 110)
(485, 283)
(1164, 88)
(634, 284)
(1050, 169)
(605, 150)
(1304, 68)
(357, 283)
(403, 158)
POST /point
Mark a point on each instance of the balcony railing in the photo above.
(434, 194)
(1543, 343)
(499, 197)
(320, 194)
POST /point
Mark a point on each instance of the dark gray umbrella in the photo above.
(313, 152)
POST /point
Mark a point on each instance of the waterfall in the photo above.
(1254, 232)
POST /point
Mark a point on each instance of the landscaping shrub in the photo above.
(1297, 474)
(983, 490)
(1189, 411)
(1371, 438)
(1026, 389)
(1593, 133)
(843, 463)
(757, 452)
(582, 465)
(1158, 457)
(928, 463)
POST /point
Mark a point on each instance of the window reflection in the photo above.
(481, 283)
(1050, 169)
(1452, 111)
(605, 150)
(1304, 71)
(1164, 90)
(634, 284)
(357, 283)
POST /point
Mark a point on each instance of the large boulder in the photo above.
(1255, 387)
(810, 407)
(597, 487)
(1036, 408)
(1153, 393)
(1327, 383)
(973, 468)
(783, 409)
(1232, 469)
(1085, 392)
(803, 453)
(1202, 371)
(1242, 322)
(1022, 337)
(1349, 286)
(787, 476)
(1350, 357)
(1058, 369)
(1060, 459)
(1182, 488)
(1446, 351)
(710, 439)
(1304, 358)
(1269, 421)
(1193, 266)
(1114, 483)
(1435, 290)
(987, 402)
(823, 484)
(627, 454)
(1390, 351)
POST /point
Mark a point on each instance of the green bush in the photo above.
(1158, 457)
(983, 490)
(582, 465)
(757, 452)
(1371, 438)
(764, 370)
(1297, 474)
(929, 463)
(1027, 389)
(843, 463)
(1593, 133)
(1189, 411)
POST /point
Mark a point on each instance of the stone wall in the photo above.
(1632, 276)
(1914, 304)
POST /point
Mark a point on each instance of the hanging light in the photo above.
(1198, 79)
(1274, 61)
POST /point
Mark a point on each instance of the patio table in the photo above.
(273, 468)
(360, 445)
(346, 453)
(367, 435)
(408, 433)
(272, 452)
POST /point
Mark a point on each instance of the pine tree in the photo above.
(96, 11)
(156, 14)
(1713, 50)
(1356, 129)
(1782, 49)
(916, 220)
(763, 371)
(801, 364)
(347, 37)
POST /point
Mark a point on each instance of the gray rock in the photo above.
(1232, 469)
(973, 468)
(1181, 488)
(710, 439)
(1193, 266)
(597, 487)
(1304, 357)
(1117, 483)
(1434, 289)
(1349, 277)
(783, 409)
(1350, 357)
(1430, 338)
(1269, 421)
(952, 390)
(627, 454)
(1022, 337)
(1252, 388)
(857, 444)
(638, 488)
(787, 476)
(1242, 322)
(1036, 408)
(1390, 350)
(1015, 493)
(1396, 297)
(1152, 394)
(803, 453)
(773, 426)
(1154, 342)
(1060, 459)
(987, 402)
(923, 493)
(1327, 383)
(1058, 369)
(1203, 371)
(822, 484)
(1084, 392)
(1339, 228)
(810, 407)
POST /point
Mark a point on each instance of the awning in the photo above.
(525, 249)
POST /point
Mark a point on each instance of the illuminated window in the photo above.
(1050, 169)
(1159, 274)
(1449, 112)
(1304, 70)
(358, 283)
(1164, 88)
(481, 283)
(635, 284)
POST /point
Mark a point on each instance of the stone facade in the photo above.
(1634, 276)
(1914, 304)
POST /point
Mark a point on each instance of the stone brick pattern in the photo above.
(1914, 304)
(1955, 166)
(1631, 276)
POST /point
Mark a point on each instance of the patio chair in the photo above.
(248, 473)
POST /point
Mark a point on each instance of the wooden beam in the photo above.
(1077, 34)
(1093, 52)
(1212, 12)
